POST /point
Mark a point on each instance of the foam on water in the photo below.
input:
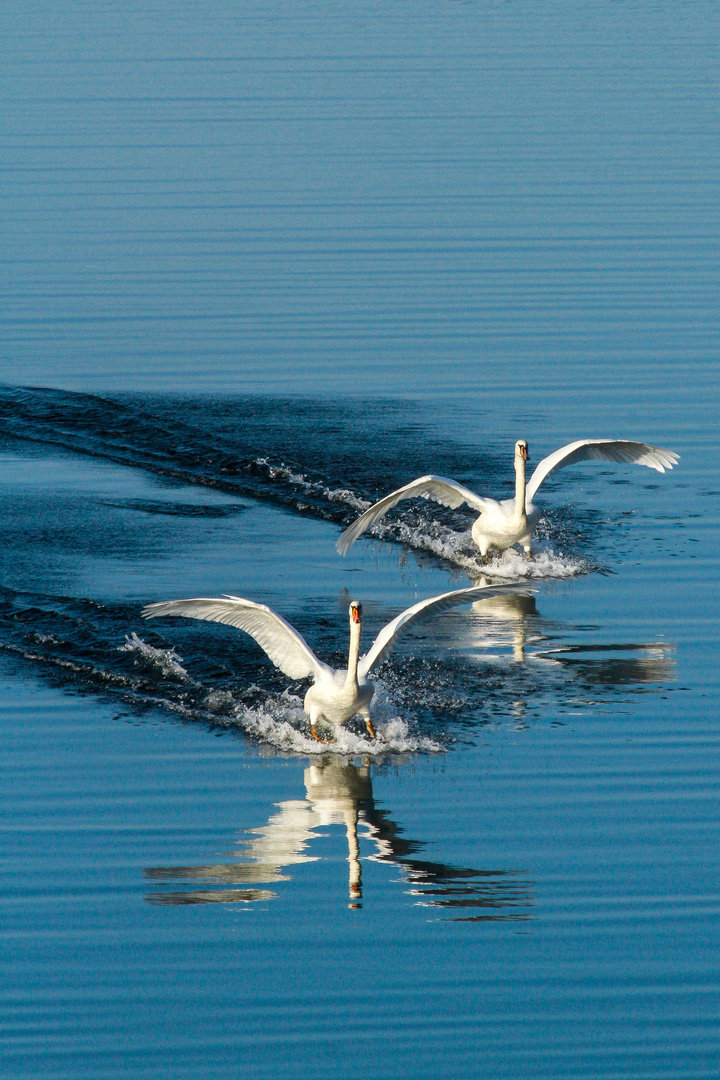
(427, 534)
(282, 723)
(281, 471)
(275, 460)
(458, 548)
(166, 661)
(545, 563)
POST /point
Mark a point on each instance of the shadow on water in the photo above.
(299, 455)
(501, 660)
(92, 536)
(462, 672)
(339, 793)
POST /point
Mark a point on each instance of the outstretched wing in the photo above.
(634, 453)
(287, 649)
(438, 488)
(394, 630)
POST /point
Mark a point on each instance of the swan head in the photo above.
(522, 450)
(355, 613)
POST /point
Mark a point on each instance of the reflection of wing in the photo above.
(208, 896)
(438, 488)
(287, 649)
(282, 842)
(467, 894)
(394, 630)
(339, 793)
(634, 453)
(616, 665)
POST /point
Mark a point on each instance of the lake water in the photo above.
(262, 264)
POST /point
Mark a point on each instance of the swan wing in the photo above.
(634, 453)
(287, 649)
(394, 630)
(438, 488)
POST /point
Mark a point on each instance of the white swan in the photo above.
(335, 696)
(502, 524)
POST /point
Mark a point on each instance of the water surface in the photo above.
(260, 268)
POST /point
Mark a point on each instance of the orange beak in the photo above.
(356, 613)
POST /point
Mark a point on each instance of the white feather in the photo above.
(393, 631)
(438, 488)
(287, 649)
(503, 524)
(633, 453)
(335, 696)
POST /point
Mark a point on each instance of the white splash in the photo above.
(342, 495)
(283, 724)
(545, 563)
(458, 549)
(166, 661)
(438, 539)
(345, 495)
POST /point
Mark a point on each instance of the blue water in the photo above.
(260, 266)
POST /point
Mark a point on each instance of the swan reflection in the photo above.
(514, 619)
(339, 793)
(498, 620)
(615, 665)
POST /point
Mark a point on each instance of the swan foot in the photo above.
(316, 737)
(365, 713)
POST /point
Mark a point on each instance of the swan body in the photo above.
(335, 695)
(504, 524)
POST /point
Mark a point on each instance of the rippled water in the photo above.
(260, 267)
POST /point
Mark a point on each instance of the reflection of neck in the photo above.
(519, 489)
(519, 642)
(353, 653)
(355, 872)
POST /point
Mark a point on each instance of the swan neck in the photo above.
(520, 485)
(353, 653)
